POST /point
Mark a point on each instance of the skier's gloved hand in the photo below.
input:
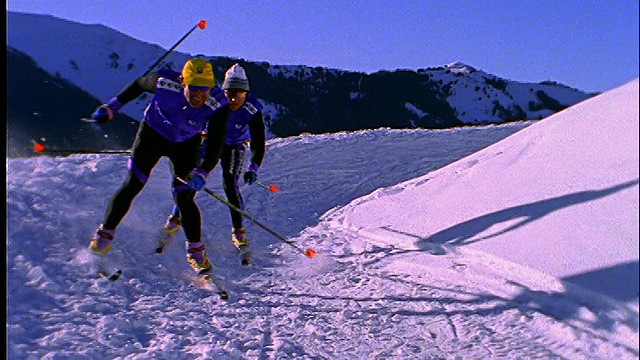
(102, 114)
(197, 179)
(105, 112)
(251, 175)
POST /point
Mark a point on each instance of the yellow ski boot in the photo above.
(197, 257)
(100, 244)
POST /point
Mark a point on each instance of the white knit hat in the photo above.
(235, 78)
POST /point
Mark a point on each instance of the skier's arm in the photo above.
(215, 139)
(106, 111)
(137, 88)
(257, 144)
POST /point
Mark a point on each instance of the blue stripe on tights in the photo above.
(136, 171)
(180, 188)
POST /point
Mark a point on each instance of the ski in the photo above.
(245, 254)
(115, 275)
(104, 267)
(219, 289)
(204, 280)
(164, 241)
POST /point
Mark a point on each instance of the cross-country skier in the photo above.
(184, 105)
(245, 127)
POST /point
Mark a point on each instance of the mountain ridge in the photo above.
(297, 98)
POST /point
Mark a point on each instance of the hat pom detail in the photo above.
(235, 78)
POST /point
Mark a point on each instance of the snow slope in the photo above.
(512, 241)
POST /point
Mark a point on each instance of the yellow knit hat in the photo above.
(198, 72)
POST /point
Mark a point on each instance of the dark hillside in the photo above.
(46, 109)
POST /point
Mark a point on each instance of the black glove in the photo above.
(252, 173)
(250, 177)
(102, 114)
(106, 111)
(197, 179)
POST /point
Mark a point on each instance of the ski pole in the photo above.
(308, 252)
(201, 24)
(39, 148)
(86, 151)
(272, 188)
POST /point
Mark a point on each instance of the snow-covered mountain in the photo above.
(52, 120)
(298, 98)
(515, 241)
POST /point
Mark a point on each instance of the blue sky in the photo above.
(589, 45)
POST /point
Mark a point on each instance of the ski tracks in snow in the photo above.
(355, 299)
(351, 301)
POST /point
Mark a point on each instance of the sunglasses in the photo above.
(235, 93)
(196, 88)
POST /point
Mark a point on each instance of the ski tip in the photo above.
(111, 277)
(160, 249)
(115, 275)
(245, 262)
(224, 295)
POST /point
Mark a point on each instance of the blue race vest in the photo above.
(238, 125)
(170, 114)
